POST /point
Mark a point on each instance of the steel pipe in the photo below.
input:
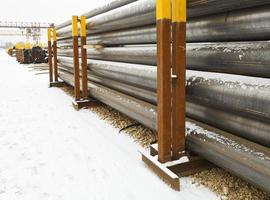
(97, 11)
(143, 76)
(205, 7)
(145, 95)
(241, 25)
(246, 127)
(239, 156)
(142, 12)
(247, 95)
(244, 58)
(131, 15)
(141, 35)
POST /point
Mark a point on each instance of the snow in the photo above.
(50, 151)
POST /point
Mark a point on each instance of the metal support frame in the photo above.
(83, 100)
(84, 58)
(171, 82)
(164, 79)
(56, 82)
(179, 76)
(76, 68)
(50, 55)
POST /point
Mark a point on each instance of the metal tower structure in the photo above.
(28, 29)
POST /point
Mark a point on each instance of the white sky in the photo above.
(54, 11)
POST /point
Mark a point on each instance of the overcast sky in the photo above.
(54, 11)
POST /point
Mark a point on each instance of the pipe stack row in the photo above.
(228, 75)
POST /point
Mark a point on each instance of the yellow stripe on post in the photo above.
(163, 9)
(49, 34)
(54, 35)
(83, 26)
(74, 25)
(179, 11)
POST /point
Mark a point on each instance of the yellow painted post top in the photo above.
(74, 25)
(54, 35)
(49, 34)
(83, 26)
(179, 10)
(163, 9)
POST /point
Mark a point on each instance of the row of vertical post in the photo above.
(171, 81)
(81, 98)
(52, 58)
(75, 36)
(171, 66)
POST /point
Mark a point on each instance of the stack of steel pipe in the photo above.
(228, 76)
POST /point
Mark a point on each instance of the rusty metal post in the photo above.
(50, 55)
(163, 17)
(76, 58)
(84, 58)
(178, 77)
(55, 56)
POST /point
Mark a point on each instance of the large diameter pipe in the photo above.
(206, 7)
(140, 35)
(142, 12)
(235, 123)
(132, 15)
(247, 24)
(139, 110)
(137, 54)
(143, 76)
(135, 14)
(252, 129)
(244, 58)
(241, 25)
(97, 11)
(145, 95)
(239, 156)
(249, 95)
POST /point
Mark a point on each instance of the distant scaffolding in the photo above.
(28, 29)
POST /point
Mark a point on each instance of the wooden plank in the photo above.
(84, 58)
(50, 56)
(55, 56)
(76, 68)
(164, 80)
(79, 104)
(179, 77)
(166, 175)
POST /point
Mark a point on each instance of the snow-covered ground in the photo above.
(50, 151)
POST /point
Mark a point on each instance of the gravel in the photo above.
(226, 185)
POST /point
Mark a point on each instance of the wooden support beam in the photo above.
(55, 56)
(171, 84)
(163, 16)
(84, 58)
(76, 67)
(178, 76)
(50, 55)
(85, 101)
